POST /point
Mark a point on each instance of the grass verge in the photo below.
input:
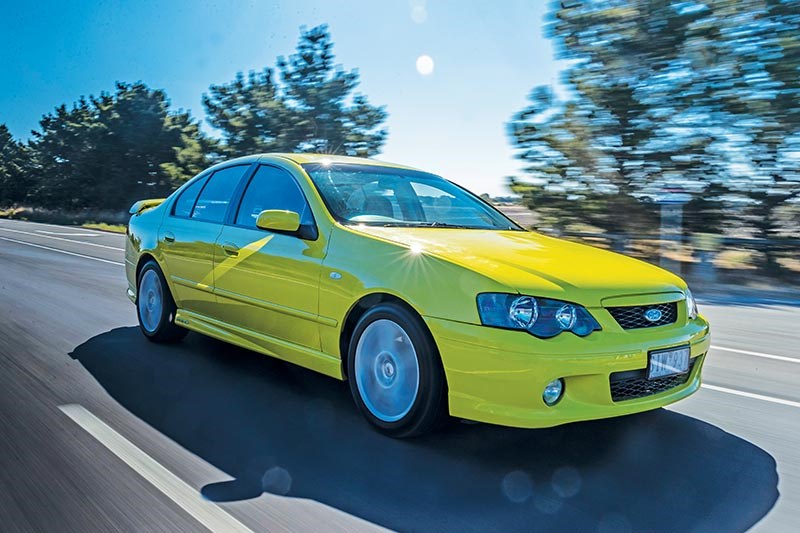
(102, 226)
(103, 220)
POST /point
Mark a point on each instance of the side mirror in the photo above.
(277, 220)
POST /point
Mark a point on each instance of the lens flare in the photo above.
(419, 14)
(425, 65)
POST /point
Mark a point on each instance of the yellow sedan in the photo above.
(425, 298)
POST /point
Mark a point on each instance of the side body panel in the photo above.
(268, 303)
(270, 283)
(358, 265)
(187, 248)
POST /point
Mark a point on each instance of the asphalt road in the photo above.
(101, 430)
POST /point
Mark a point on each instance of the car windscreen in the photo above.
(387, 196)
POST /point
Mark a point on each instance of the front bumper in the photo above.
(498, 376)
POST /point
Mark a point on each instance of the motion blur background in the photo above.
(666, 129)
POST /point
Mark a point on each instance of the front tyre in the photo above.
(395, 373)
(155, 307)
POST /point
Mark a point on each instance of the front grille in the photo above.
(633, 317)
(634, 383)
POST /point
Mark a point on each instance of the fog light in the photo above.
(553, 391)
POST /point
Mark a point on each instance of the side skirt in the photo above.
(261, 343)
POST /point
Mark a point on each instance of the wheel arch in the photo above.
(364, 304)
(145, 258)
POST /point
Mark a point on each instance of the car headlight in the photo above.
(691, 305)
(541, 317)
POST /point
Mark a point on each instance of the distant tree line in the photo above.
(106, 151)
(666, 95)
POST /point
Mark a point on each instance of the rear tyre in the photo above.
(155, 307)
(395, 373)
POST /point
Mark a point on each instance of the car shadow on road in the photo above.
(278, 428)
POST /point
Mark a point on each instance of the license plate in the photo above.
(668, 362)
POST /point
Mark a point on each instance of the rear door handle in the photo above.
(169, 236)
(230, 248)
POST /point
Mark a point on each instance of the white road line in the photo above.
(61, 233)
(37, 234)
(752, 395)
(44, 224)
(206, 512)
(63, 251)
(757, 354)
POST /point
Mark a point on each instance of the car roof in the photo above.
(302, 159)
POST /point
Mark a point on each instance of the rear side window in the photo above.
(213, 202)
(272, 188)
(185, 202)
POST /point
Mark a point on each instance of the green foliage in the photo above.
(64, 156)
(598, 157)
(758, 88)
(108, 150)
(312, 108)
(192, 154)
(702, 97)
(249, 113)
(15, 178)
(573, 181)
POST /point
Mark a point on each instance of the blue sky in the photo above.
(487, 56)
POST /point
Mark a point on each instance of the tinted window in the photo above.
(185, 202)
(216, 196)
(272, 188)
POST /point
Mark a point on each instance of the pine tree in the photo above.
(110, 150)
(15, 176)
(312, 107)
(667, 94)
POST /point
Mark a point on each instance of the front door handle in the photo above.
(230, 248)
(169, 236)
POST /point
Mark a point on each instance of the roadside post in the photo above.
(671, 232)
(706, 246)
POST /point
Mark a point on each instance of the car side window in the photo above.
(185, 202)
(213, 202)
(272, 188)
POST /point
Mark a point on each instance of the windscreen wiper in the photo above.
(436, 224)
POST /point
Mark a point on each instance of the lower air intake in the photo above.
(634, 383)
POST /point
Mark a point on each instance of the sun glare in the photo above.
(425, 65)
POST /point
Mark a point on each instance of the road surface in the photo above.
(101, 430)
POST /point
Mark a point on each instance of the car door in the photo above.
(268, 282)
(189, 233)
